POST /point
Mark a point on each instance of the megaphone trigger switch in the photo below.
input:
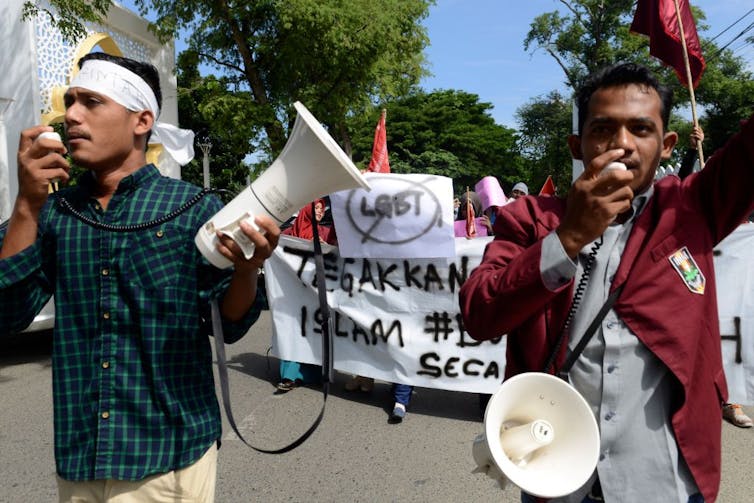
(234, 232)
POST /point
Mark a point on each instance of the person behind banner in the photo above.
(135, 408)
(295, 374)
(482, 224)
(492, 197)
(653, 371)
(519, 190)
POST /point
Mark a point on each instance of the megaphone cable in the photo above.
(67, 206)
(578, 293)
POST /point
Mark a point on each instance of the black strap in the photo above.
(327, 342)
(327, 352)
(563, 372)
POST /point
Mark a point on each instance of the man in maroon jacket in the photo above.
(652, 372)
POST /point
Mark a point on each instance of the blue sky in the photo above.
(478, 46)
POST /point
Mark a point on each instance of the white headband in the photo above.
(128, 89)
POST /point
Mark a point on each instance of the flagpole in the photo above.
(689, 78)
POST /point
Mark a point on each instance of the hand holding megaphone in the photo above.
(55, 137)
(260, 237)
(311, 165)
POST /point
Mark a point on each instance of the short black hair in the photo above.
(622, 74)
(146, 71)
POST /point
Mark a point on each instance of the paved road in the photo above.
(354, 456)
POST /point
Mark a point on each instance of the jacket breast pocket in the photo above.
(156, 257)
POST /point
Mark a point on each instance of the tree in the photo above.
(726, 93)
(335, 56)
(586, 39)
(544, 124)
(445, 132)
(69, 16)
(595, 33)
(217, 115)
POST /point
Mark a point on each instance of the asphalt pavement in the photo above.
(355, 455)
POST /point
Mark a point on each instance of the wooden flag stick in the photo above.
(689, 78)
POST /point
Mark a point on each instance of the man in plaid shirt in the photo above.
(136, 415)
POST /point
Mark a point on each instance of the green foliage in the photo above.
(587, 38)
(334, 56)
(544, 124)
(71, 15)
(219, 117)
(594, 33)
(447, 133)
(726, 94)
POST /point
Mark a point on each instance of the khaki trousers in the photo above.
(193, 484)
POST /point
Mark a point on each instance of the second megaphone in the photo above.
(311, 165)
(540, 434)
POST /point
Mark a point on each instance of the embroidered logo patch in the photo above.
(687, 269)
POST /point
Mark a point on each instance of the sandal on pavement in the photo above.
(287, 385)
(367, 384)
(733, 413)
(364, 384)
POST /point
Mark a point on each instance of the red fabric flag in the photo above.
(380, 162)
(658, 20)
(470, 217)
(548, 189)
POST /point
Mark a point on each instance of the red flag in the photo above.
(548, 189)
(659, 21)
(380, 162)
(470, 217)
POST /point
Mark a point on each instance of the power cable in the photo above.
(730, 26)
(721, 49)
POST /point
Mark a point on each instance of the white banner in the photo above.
(402, 216)
(396, 320)
(734, 274)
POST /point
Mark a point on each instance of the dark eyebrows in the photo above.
(82, 93)
(601, 121)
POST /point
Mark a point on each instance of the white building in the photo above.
(37, 64)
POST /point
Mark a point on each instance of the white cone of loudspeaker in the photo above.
(540, 434)
(311, 165)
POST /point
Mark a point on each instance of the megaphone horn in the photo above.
(540, 434)
(311, 165)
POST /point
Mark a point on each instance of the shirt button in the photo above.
(610, 325)
(160, 233)
(105, 415)
(609, 416)
(611, 368)
(105, 271)
(105, 365)
(106, 315)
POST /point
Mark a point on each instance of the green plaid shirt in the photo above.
(131, 362)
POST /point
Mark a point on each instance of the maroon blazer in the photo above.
(505, 294)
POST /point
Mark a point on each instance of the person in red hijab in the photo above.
(302, 226)
(295, 374)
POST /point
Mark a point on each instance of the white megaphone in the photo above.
(540, 434)
(311, 165)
